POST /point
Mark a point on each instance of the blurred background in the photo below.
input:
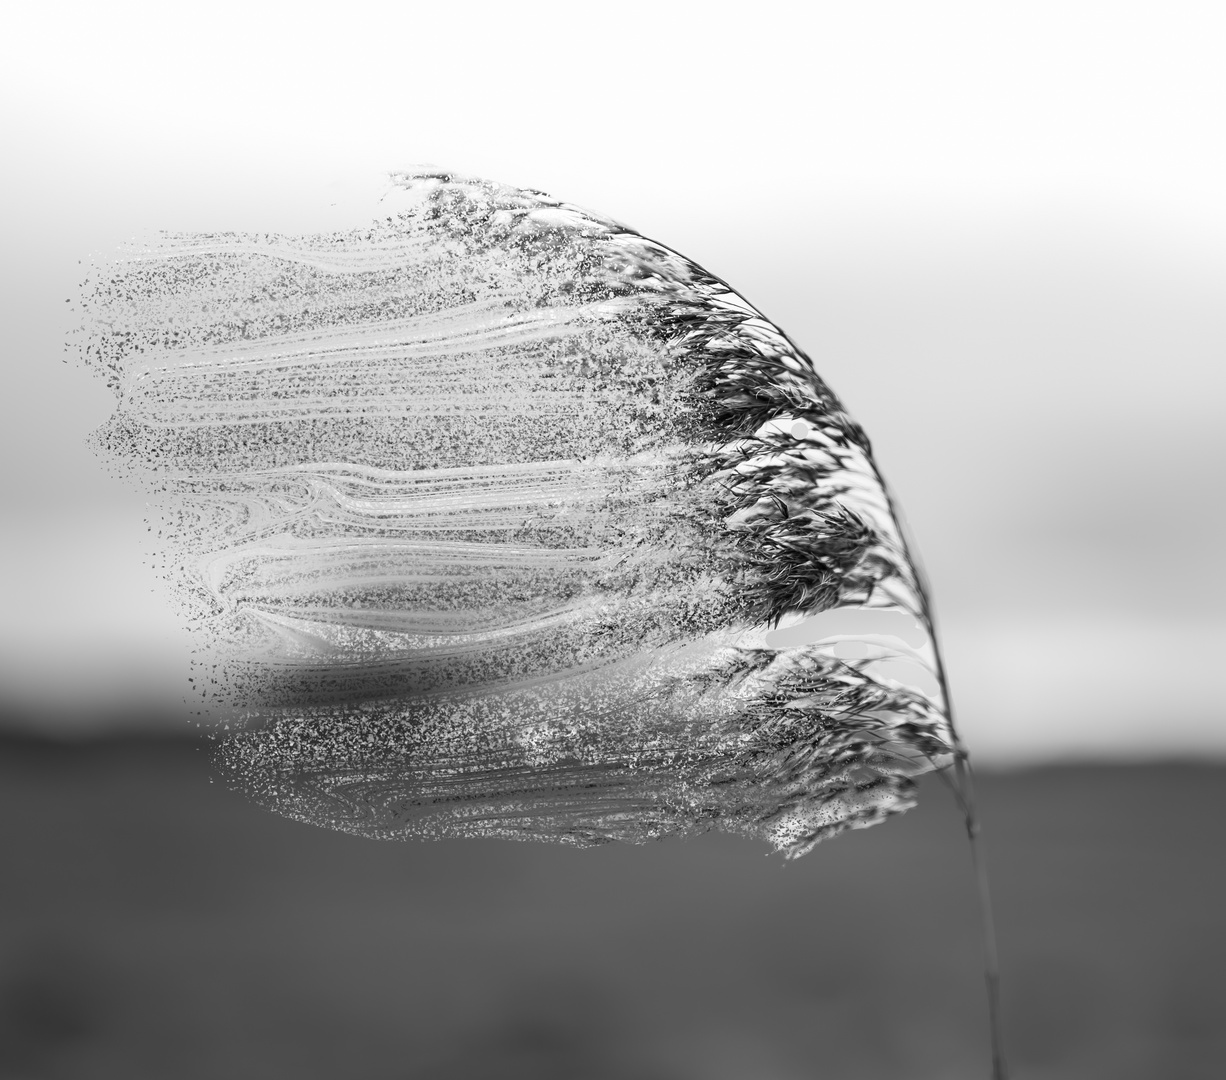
(998, 230)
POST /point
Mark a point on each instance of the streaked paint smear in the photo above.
(497, 518)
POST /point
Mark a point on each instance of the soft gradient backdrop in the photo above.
(998, 229)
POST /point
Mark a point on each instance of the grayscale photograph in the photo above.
(666, 542)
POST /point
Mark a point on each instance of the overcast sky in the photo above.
(998, 229)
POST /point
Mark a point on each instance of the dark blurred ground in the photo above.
(155, 925)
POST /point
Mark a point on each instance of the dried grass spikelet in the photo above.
(489, 516)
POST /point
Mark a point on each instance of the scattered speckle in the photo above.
(485, 515)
